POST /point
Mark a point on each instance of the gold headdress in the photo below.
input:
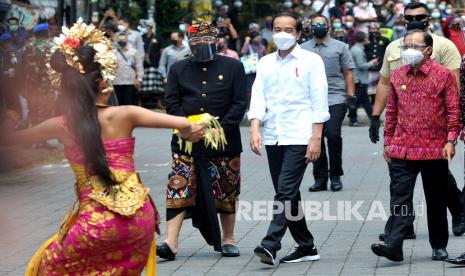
(81, 34)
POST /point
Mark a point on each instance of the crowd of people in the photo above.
(312, 62)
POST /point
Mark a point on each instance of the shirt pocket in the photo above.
(332, 66)
(395, 60)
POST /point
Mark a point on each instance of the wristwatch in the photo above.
(453, 142)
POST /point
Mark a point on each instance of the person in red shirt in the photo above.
(452, 29)
(423, 122)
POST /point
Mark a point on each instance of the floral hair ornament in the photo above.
(81, 34)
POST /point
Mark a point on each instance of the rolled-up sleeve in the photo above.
(257, 108)
(318, 88)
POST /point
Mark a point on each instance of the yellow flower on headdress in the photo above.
(81, 34)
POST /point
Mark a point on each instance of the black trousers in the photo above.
(434, 174)
(361, 92)
(333, 135)
(126, 94)
(455, 202)
(287, 167)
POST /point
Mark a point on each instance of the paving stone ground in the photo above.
(34, 201)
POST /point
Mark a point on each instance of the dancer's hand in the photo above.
(196, 134)
(313, 150)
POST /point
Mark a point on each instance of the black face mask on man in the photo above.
(320, 31)
(203, 52)
(417, 25)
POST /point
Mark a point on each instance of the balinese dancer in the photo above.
(206, 181)
(112, 230)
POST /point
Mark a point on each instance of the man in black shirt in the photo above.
(206, 181)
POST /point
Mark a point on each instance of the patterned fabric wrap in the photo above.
(152, 82)
(202, 29)
(422, 112)
(94, 240)
(225, 172)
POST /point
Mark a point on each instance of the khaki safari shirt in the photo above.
(444, 53)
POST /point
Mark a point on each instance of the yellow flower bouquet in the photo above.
(214, 136)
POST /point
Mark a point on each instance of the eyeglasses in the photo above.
(418, 17)
(203, 39)
(415, 47)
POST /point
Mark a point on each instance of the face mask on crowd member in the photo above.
(13, 27)
(337, 25)
(436, 14)
(221, 45)
(457, 23)
(414, 49)
(182, 27)
(122, 41)
(123, 26)
(306, 3)
(319, 27)
(363, 4)
(431, 6)
(349, 4)
(284, 41)
(203, 48)
(417, 19)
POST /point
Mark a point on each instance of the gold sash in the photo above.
(124, 198)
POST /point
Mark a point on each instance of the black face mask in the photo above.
(122, 43)
(220, 47)
(306, 30)
(320, 32)
(203, 52)
(417, 25)
(174, 42)
(373, 36)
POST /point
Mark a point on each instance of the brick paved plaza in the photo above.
(34, 201)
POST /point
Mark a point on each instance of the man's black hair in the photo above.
(298, 21)
(416, 5)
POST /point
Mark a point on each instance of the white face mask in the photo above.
(412, 57)
(349, 24)
(121, 28)
(283, 40)
(306, 2)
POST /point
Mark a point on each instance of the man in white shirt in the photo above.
(290, 97)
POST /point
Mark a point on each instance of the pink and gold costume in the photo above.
(112, 231)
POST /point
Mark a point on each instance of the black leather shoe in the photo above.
(439, 254)
(392, 253)
(164, 252)
(458, 225)
(409, 236)
(229, 250)
(336, 184)
(321, 184)
(457, 261)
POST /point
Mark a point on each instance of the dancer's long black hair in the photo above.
(78, 94)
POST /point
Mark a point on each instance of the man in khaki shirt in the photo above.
(444, 52)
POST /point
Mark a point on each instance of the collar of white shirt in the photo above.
(296, 52)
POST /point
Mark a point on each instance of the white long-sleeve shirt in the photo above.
(289, 95)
